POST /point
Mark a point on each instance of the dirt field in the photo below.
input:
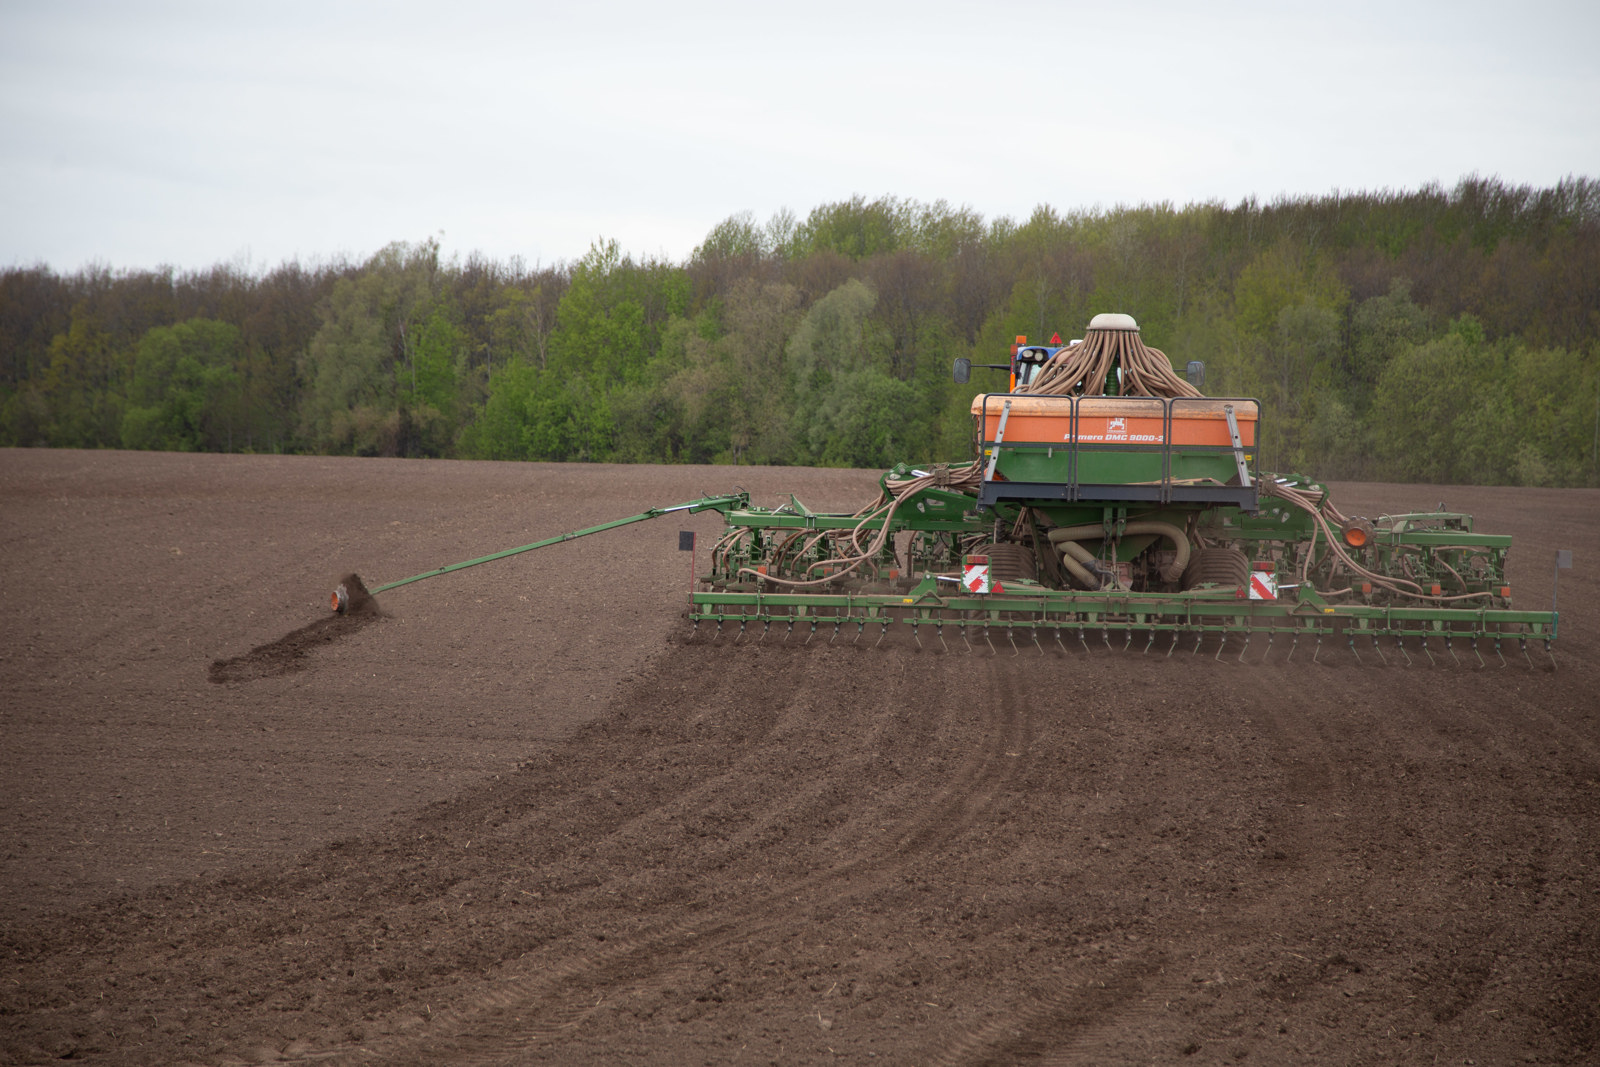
(518, 820)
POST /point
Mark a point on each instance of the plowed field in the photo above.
(517, 818)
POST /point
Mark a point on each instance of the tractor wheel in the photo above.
(1011, 563)
(1217, 566)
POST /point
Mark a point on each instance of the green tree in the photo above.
(185, 394)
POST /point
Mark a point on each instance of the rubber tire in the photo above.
(1226, 567)
(1011, 563)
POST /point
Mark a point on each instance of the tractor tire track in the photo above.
(519, 1012)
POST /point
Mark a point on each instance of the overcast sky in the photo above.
(135, 134)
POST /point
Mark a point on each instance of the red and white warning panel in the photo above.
(975, 574)
(1263, 582)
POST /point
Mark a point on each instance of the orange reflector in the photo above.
(1355, 537)
(1435, 589)
(1366, 588)
(894, 574)
(1022, 338)
(761, 569)
(1505, 592)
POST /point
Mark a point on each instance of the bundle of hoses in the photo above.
(1111, 340)
(1077, 559)
(859, 547)
(1326, 517)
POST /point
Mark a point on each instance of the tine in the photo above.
(1353, 652)
(1127, 638)
(1246, 647)
(965, 639)
(1428, 650)
(1551, 653)
(1318, 650)
(835, 636)
(1452, 652)
(1497, 652)
(1083, 641)
(740, 634)
(988, 642)
(883, 629)
(942, 645)
(1272, 635)
(1381, 657)
(1475, 652)
(860, 629)
(694, 632)
(1105, 635)
(813, 632)
(1400, 643)
(1199, 637)
(1293, 644)
(1222, 645)
(718, 633)
(1015, 651)
(1150, 642)
(1172, 647)
(1063, 647)
(1523, 642)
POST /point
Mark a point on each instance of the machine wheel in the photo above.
(1011, 562)
(1217, 566)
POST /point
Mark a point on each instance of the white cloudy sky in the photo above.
(192, 133)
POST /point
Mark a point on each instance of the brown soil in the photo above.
(517, 818)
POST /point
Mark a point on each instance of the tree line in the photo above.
(1417, 335)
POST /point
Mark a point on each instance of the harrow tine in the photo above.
(1497, 652)
(1475, 652)
(1400, 643)
(1271, 636)
(1294, 644)
(1523, 642)
(1059, 644)
(1428, 651)
(1381, 657)
(694, 631)
(1199, 637)
(940, 631)
(1353, 652)
(718, 633)
(967, 640)
(1083, 641)
(1035, 632)
(1318, 650)
(1105, 635)
(1150, 642)
(1127, 638)
(1222, 644)
(1551, 653)
(813, 632)
(915, 637)
(1452, 652)
(789, 631)
(1172, 647)
(1246, 647)
(742, 625)
(835, 636)
(988, 642)
(1015, 651)
(861, 628)
(764, 628)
